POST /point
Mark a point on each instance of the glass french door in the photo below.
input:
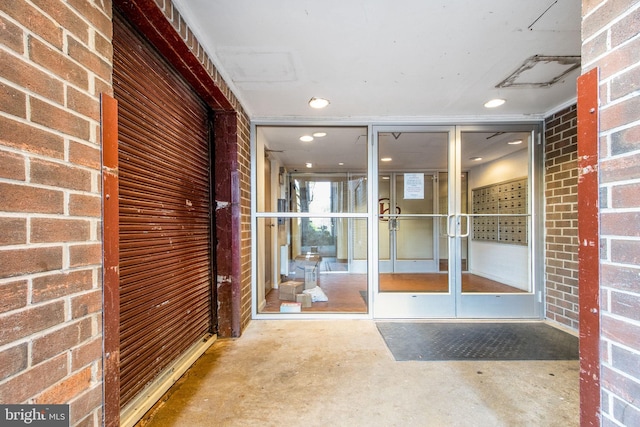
(503, 270)
(454, 221)
(413, 223)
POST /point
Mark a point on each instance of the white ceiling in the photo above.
(388, 60)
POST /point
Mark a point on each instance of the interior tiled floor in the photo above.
(346, 292)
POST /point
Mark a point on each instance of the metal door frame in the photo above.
(406, 304)
(456, 304)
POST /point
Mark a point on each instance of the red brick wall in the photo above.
(611, 42)
(244, 169)
(561, 219)
(55, 61)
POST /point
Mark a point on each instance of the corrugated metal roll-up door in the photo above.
(165, 222)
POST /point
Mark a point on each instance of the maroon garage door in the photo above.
(165, 212)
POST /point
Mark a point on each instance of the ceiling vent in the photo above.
(254, 66)
(541, 71)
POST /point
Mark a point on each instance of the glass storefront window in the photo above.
(314, 258)
(432, 221)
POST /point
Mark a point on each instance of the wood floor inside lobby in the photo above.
(346, 292)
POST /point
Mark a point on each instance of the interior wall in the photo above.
(283, 226)
(267, 200)
(502, 262)
(342, 240)
(276, 226)
(260, 228)
(278, 230)
(505, 168)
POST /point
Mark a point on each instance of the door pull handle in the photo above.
(449, 218)
(468, 217)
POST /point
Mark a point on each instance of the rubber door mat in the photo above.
(478, 341)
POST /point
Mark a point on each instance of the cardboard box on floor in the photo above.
(304, 299)
(287, 291)
(290, 307)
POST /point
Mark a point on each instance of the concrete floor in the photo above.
(340, 373)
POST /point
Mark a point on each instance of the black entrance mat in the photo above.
(478, 341)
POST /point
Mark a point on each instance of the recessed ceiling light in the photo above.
(494, 103)
(306, 138)
(341, 164)
(517, 142)
(318, 102)
(386, 159)
(385, 177)
(320, 134)
(308, 164)
(475, 159)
